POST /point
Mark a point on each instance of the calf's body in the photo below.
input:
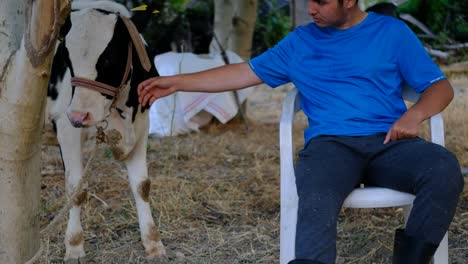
(98, 48)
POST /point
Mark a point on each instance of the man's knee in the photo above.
(444, 173)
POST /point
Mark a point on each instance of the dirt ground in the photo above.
(215, 196)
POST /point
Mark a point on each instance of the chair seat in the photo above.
(377, 197)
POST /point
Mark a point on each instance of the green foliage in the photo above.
(173, 22)
(181, 21)
(410, 7)
(367, 3)
(443, 17)
(178, 5)
(447, 19)
(187, 19)
(459, 14)
(271, 26)
(436, 14)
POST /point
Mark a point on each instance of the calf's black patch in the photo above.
(112, 62)
(59, 68)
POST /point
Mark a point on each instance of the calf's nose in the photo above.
(79, 119)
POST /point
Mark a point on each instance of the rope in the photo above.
(50, 229)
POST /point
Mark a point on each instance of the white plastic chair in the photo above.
(367, 197)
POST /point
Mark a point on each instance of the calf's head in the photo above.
(106, 58)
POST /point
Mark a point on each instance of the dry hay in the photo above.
(215, 197)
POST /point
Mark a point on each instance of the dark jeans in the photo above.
(330, 167)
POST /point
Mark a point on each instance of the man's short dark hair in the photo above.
(341, 2)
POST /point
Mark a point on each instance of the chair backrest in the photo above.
(409, 94)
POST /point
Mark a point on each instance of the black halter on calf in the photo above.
(110, 65)
(111, 90)
(102, 87)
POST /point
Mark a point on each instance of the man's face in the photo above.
(327, 13)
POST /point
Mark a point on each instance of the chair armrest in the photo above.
(409, 94)
(288, 191)
(290, 106)
(437, 129)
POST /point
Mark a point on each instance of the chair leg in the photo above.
(288, 222)
(441, 255)
(304, 261)
(287, 235)
(406, 212)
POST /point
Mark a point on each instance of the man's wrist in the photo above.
(416, 115)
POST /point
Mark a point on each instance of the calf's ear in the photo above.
(141, 18)
(65, 28)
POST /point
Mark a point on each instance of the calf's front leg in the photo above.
(140, 186)
(71, 147)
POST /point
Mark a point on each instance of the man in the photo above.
(349, 67)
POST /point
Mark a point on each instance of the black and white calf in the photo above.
(95, 74)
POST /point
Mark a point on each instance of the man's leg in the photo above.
(430, 172)
(327, 170)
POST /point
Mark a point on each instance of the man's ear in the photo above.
(141, 18)
(65, 28)
(349, 3)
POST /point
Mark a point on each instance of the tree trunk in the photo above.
(222, 26)
(234, 24)
(28, 32)
(299, 13)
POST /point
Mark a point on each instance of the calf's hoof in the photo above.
(158, 260)
(75, 261)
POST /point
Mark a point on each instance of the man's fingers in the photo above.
(387, 137)
(152, 100)
(392, 135)
(143, 101)
(142, 85)
(141, 96)
(146, 84)
(151, 90)
(140, 88)
(396, 135)
(146, 98)
(145, 91)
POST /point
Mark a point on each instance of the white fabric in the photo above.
(185, 112)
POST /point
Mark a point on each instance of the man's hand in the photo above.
(405, 127)
(432, 101)
(155, 88)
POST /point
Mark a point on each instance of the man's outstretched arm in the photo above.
(225, 78)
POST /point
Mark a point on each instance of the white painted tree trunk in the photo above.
(28, 31)
(234, 24)
(299, 12)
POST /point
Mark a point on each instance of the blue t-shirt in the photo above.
(350, 81)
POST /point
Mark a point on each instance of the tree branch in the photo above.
(47, 43)
(5, 68)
